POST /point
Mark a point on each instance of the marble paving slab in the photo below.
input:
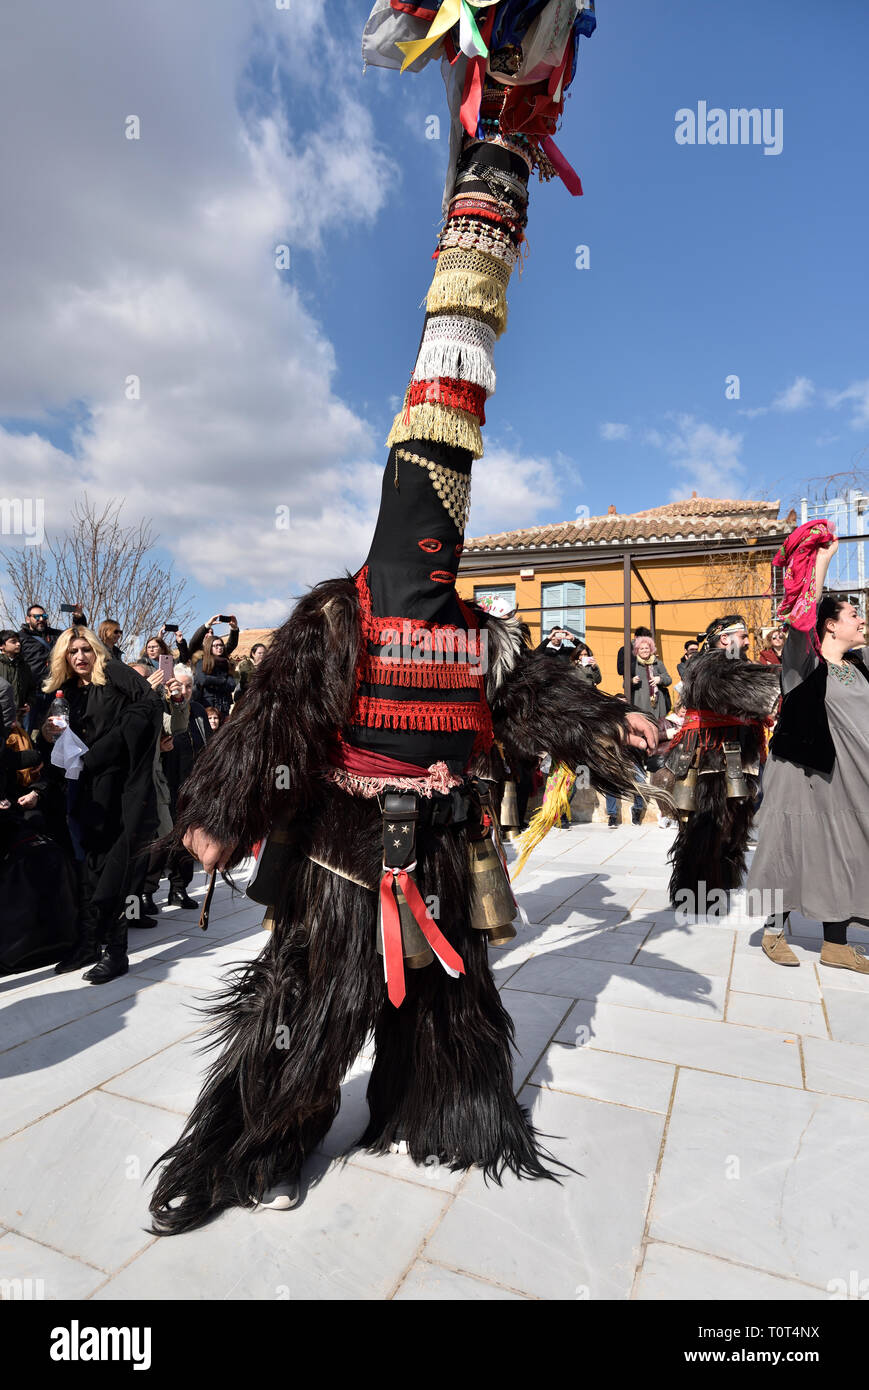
(578, 1240)
(766, 1176)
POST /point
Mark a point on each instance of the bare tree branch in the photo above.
(106, 566)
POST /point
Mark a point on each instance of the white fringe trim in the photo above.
(459, 361)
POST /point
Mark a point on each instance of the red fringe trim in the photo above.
(446, 638)
(421, 714)
(449, 675)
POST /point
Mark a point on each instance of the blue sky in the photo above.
(263, 388)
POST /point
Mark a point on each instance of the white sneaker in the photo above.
(281, 1197)
(399, 1148)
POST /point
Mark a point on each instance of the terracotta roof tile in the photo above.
(696, 518)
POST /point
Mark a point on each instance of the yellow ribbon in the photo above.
(449, 14)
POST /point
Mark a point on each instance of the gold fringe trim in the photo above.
(439, 422)
(457, 291)
(556, 803)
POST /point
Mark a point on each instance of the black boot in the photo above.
(613, 821)
(85, 953)
(179, 897)
(637, 816)
(111, 964)
(149, 907)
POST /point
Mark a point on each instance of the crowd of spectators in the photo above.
(94, 749)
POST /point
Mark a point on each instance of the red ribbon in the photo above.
(568, 175)
(472, 94)
(393, 954)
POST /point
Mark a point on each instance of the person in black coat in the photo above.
(177, 864)
(620, 657)
(15, 669)
(560, 643)
(117, 715)
(37, 640)
(214, 684)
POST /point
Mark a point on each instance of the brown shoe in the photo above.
(844, 957)
(778, 950)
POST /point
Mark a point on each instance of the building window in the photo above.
(496, 598)
(563, 606)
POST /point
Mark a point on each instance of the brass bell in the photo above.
(499, 935)
(685, 791)
(414, 947)
(509, 807)
(492, 903)
(733, 771)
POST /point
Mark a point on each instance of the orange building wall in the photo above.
(604, 626)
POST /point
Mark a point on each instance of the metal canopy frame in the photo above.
(629, 559)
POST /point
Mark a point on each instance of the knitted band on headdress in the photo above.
(458, 395)
(453, 346)
(470, 280)
(453, 488)
(433, 421)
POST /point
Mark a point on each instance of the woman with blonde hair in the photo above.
(117, 716)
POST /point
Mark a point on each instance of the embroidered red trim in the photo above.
(429, 545)
(375, 712)
(449, 391)
(469, 208)
(443, 576)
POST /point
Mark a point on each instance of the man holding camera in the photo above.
(37, 640)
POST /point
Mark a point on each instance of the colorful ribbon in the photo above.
(451, 12)
(393, 955)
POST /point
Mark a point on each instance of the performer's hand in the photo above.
(642, 733)
(831, 547)
(210, 853)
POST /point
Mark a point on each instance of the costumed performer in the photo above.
(362, 748)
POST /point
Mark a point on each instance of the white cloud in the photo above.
(155, 257)
(797, 396)
(509, 490)
(858, 393)
(610, 430)
(706, 458)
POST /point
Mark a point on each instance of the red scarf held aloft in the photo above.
(799, 608)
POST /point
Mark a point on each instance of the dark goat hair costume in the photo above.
(712, 840)
(442, 1078)
(330, 711)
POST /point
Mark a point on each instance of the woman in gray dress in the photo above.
(813, 826)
